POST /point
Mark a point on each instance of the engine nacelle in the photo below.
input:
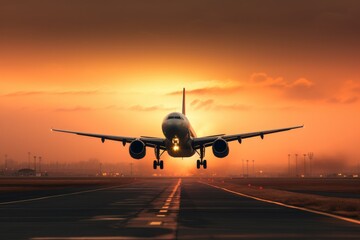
(220, 148)
(137, 149)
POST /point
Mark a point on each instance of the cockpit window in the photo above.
(174, 117)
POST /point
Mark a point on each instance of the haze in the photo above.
(118, 67)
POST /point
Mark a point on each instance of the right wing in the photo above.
(149, 141)
(207, 141)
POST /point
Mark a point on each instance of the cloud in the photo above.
(338, 100)
(351, 100)
(91, 92)
(301, 82)
(74, 109)
(356, 89)
(298, 89)
(210, 104)
(348, 93)
(114, 107)
(23, 94)
(236, 107)
(83, 108)
(263, 79)
(207, 104)
(217, 90)
(151, 108)
(194, 102)
(35, 93)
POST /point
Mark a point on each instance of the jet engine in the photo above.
(137, 149)
(220, 148)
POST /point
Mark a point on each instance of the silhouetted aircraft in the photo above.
(180, 140)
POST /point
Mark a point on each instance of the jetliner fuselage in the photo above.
(179, 134)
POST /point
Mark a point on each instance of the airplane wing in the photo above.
(149, 141)
(208, 141)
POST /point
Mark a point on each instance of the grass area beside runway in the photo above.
(281, 191)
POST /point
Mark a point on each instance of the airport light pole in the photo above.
(243, 170)
(304, 164)
(310, 155)
(40, 164)
(253, 168)
(247, 168)
(296, 165)
(5, 162)
(289, 165)
(29, 159)
(35, 164)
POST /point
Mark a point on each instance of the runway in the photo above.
(162, 208)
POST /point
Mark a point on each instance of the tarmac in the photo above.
(160, 208)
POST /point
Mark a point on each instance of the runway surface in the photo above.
(162, 209)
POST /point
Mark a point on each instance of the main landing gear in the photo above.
(200, 162)
(158, 162)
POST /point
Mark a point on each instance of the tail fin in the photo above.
(183, 103)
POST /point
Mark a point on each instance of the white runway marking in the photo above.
(155, 223)
(86, 238)
(107, 218)
(286, 205)
(58, 195)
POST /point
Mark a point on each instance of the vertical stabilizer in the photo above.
(183, 103)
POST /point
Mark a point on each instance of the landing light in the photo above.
(176, 148)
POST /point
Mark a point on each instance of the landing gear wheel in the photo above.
(161, 164)
(198, 163)
(201, 162)
(155, 164)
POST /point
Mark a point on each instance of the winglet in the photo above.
(183, 103)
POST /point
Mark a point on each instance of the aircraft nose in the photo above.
(172, 128)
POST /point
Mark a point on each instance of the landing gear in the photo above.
(200, 162)
(158, 162)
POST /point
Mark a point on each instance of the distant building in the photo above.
(26, 172)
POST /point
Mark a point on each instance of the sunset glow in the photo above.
(119, 69)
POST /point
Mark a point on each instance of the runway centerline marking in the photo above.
(286, 205)
(155, 223)
(58, 195)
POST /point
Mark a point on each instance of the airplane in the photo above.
(179, 140)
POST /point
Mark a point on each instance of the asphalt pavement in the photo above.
(162, 208)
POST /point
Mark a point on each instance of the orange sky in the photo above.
(119, 68)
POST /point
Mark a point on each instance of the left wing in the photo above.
(207, 141)
(149, 141)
